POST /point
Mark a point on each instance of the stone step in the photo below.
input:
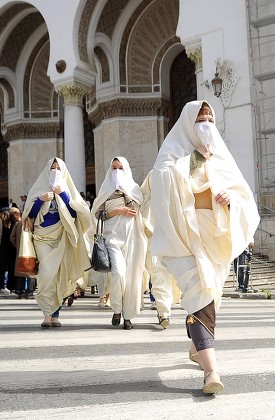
(262, 274)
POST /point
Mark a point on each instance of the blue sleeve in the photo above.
(35, 208)
(66, 200)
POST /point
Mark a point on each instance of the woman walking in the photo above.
(205, 215)
(59, 217)
(118, 202)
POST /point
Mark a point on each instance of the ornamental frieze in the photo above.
(33, 131)
(129, 107)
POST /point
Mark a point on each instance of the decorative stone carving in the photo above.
(33, 131)
(83, 29)
(128, 107)
(230, 79)
(150, 26)
(29, 71)
(194, 52)
(73, 92)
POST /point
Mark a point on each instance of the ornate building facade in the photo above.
(86, 80)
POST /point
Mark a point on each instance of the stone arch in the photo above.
(19, 35)
(9, 92)
(149, 32)
(84, 29)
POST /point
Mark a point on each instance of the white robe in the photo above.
(199, 245)
(60, 248)
(126, 243)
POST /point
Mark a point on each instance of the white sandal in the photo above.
(214, 386)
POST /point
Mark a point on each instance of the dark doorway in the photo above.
(183, 85)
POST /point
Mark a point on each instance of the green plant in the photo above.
(268, 293)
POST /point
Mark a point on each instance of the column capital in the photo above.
(73, 92)
(194, 52)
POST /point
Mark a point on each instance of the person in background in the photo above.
(241, 266)
(25, 285)
(161, 285)
(84, 198)
(205, 215)
(59, 217)
(118, 203)
(6, 254)
(90, 198)
(11, 203)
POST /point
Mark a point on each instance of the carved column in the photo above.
(194, 52)
(74, 147)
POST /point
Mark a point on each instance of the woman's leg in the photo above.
(200, 328)
(117, 284)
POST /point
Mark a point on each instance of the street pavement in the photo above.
(88, 369)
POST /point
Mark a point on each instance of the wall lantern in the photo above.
(217, 84)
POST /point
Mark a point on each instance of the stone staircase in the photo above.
(262, 275)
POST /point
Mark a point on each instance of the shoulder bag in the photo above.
(27, 262)
(100, 260)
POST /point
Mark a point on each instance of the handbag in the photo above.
(27, 262)
(100, 260)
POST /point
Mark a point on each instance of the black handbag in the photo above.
(100, 260)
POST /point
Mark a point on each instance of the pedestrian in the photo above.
(241, 266)
(7, 254)
(21, 279)
(205, 215)
(59, 217)
(161, 281)
(90, 197)
(118, 202)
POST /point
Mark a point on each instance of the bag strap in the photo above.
(27, 225)
(100, 224)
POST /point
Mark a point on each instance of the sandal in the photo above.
(215, 385)
(164, 322)
(56, 322)
(46, 323)
(127, 324)
(116, 319)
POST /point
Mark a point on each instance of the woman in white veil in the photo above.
(59, 217)
(118, 203)
(205, 216)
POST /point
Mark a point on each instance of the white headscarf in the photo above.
(127, 185)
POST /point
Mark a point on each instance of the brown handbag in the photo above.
(27, 262)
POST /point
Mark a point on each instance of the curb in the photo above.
(250, 295)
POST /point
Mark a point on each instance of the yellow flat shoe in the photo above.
(215, 386)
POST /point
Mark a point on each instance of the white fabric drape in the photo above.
(188, 236)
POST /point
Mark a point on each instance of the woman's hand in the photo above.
(126, 211)
(222, 198)
(57, 189)
(47, 196)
